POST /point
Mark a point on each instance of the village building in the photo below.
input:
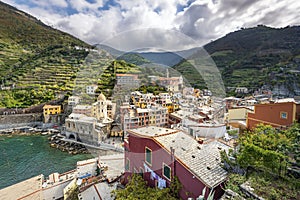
(172, 84)
(207, 92)
(51, 109)
(84, 128)
(51, 113)
(91, 89)
(178, 116)
(154, 115)
(237, 117)
(241, 90)
(206, 130)
(127, 81)
(116, 131)
(73, 101)
(39, 187)
(231, 102)
(278, 115)
(103, 108)
(160, 154)
(83, 109)
(60, 186)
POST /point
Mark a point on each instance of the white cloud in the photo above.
(84, 6)
(58, 3)
(202, 20)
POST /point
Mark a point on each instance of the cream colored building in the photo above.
(237, 114)
(237, 117)
(103, 108)
(86, 128)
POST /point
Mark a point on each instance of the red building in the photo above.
(160, 154)
(278, 115)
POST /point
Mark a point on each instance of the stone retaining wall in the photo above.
(11, 121)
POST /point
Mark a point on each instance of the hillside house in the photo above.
(160, 154)
(278, 115)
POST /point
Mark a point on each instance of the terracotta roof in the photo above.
(50, 106)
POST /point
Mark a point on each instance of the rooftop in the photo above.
(203, 160)
(285, 100)
(74, 97)
(82, 107)
(98, 191)
(181, 114)
(119, 75)
(87, 162)
(50, 106)
(81, 117)
(232, 98)
(114, 163)
(29, 188)
(153, 131)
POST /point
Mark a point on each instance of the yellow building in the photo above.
(172, 107)
(51, 109)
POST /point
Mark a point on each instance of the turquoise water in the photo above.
(22, 157)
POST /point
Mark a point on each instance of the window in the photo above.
(148, 156)
(191, 132)
(283, 115)
(127, 165)
(166, 171)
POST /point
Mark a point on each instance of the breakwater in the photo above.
(72, 148)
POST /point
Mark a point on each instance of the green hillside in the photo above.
(256, 57)
(37, 62)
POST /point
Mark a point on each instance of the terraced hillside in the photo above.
(34, 58)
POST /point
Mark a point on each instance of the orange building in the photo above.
(278, 115)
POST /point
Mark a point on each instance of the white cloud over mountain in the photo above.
(202, 20)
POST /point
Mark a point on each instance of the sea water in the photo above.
(22, 157)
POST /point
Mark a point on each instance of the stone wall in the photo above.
(11, 121)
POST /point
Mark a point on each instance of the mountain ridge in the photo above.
(257, 58)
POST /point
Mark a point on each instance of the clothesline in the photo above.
(153, 175)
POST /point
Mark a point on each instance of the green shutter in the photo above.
(148, 156)
(167, 171)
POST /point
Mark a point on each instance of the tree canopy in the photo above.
(137, 189)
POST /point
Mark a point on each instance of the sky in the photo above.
(177, 24)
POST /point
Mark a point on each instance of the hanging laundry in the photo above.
(161, 183)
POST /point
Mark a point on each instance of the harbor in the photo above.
(25, 156)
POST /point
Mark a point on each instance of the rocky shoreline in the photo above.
(28, 131)
(54, 139)
(72, 148)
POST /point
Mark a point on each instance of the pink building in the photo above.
(160, 154)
